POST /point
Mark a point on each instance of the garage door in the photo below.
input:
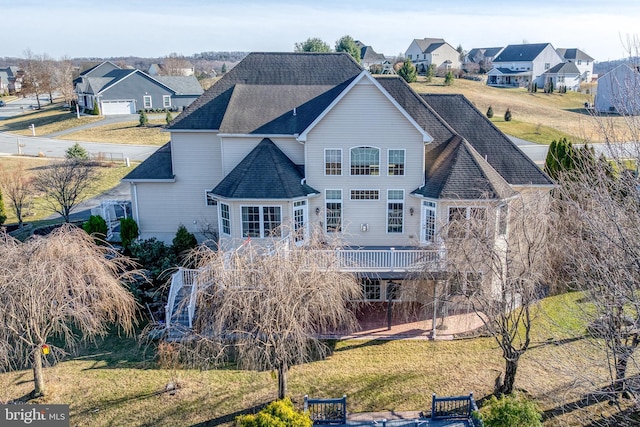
(117, 107)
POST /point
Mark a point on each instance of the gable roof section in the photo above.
(265, 173)
(99, 70)
(424, 43)
(365, 75)
(459, 172)
(493, 145)
(156, 167)
(367, 54)
(563, 68)
(521, 52)
(573, 54)
(267, 69)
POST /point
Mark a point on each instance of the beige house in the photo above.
(427, 51)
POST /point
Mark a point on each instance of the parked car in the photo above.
(2, 104)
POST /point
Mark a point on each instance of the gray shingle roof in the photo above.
(367, 54)
(156, 167)
(493, 145)
(265, 173)
(521, 52)
(459, 172)
(573, 54)
(424, 43)
(319, 70)
(563, 68)
(181, 85)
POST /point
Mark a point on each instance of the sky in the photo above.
(144, 28)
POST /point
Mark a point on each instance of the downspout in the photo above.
(134, 193)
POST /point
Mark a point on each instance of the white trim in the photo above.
(364, 189)
(386, 210)
(341, 161)
(261, 220)
(364, 74)
(148, 180)
(366, 146)
(255, 135)
(144, 101)
(404, 160)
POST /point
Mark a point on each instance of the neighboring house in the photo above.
(289, 144)
(11, 78)
(161, 69)
(126, 91)
(427, 51)
(583, 61)
(482, 57)
(619, 91)
(373, 61)
(520, 65)
(565, 75)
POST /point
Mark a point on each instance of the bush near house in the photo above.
(280, 413)
(510, 411)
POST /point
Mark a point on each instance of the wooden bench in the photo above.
(326, 411)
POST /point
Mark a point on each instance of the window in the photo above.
(503, 218)
(261, 221)
(371, 289)
(429, 221)
(333, 161)
(395, 211)
(365, 194)
(333, 204)
(166, 101)
(299, 214)
(225, 219)
(147, 101)
(396, 162)
(209, 199)
(462, 219)
(393, 291)
(547, 65)
(579, 61)
(365, 161)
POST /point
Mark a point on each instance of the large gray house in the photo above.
(289, 144)
(127, 91)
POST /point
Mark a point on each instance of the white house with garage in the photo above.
(127, 91)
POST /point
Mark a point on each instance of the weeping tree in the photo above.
(63, 289)
(268, 309)
(497, 257)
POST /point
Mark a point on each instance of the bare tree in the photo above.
(502, 270)
(268, 309)
(17, 186)
(63, 78)
(175, 65)
(34, 79)
(63, 286)
(65, 184)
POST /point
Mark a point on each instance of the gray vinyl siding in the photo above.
(365, 117)
(136, 86)
(164, 206)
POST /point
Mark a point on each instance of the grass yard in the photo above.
(108, 177)
(548, 116)
(52, 118)
(119, 383)
(124, 133)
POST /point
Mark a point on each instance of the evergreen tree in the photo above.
(96, 108)
(76, 151)
(507, 115)
(96, 226)
(224, 68)
(448, 79)
(490, 112)
(430, 72)
(183, 242)
(408, 71)
(169, 117)
(128, 232)
(144, 120)
(3, 214)
(348, 44)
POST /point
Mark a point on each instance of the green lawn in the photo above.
(119, 383)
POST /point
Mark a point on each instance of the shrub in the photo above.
(280, 413)
(183, 241)
(448, 79)
(490, 112)
(3, 214)
(507, 115)
(76, 151)
(128, 231)
(168, 117)
(144, 120)
(96, 226)
(510, 411)
(96, 108)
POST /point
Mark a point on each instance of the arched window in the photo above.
(365, 161)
